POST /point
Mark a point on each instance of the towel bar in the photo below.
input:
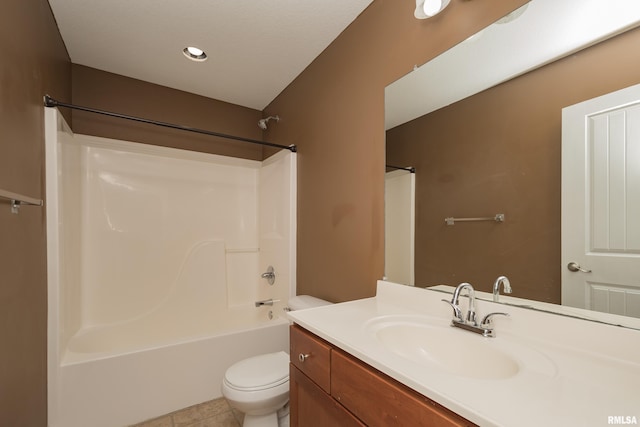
(497, 218)
(18, 200)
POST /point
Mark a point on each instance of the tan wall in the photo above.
(499, 152)
(111, 92)
(334, 112)
(33, 62)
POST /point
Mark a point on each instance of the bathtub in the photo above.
(154, 260)
(103, 390)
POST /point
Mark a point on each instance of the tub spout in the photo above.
(269, 301)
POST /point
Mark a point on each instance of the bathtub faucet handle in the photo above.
(270, 275)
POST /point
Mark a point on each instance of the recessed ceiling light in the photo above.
(428, 8)
(194, 53)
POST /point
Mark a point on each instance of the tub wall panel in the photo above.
(69, 186)
(242, 278)
(277, 226)
(144, 212)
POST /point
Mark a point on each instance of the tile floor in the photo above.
(215, 413)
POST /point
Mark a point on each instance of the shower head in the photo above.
(262, 123)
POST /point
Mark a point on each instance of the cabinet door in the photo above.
(312, 356)
(380, 401)
(312, 407)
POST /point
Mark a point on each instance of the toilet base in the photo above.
(274, 419)
(268, 420)
(284, 421)
(283, 416)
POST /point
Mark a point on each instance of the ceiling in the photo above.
(255, 48)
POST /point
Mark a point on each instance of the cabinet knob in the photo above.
(303, 357)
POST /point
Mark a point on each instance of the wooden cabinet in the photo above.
(332, 388)
(313, 407)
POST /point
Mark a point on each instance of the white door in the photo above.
(399, 196)
(601, 203)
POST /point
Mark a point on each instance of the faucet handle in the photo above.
(471, 317)
(456, 310)
(486, 320)
(270, 275)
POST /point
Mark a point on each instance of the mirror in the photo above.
(482, 126)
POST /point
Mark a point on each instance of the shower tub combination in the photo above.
(155, 258)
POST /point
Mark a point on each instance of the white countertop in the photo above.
(571, 372)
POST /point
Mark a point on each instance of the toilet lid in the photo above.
(259, 372)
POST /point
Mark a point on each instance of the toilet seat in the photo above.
(259, 373)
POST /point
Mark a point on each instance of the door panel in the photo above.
(601, 203)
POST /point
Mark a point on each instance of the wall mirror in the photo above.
(482, 125)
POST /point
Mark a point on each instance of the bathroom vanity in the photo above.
(394, 360)
(331, 387)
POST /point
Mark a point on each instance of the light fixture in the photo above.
(428, 8)
(194, 53)
(513, 15)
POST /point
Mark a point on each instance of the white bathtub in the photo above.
(154, 262)
(107, 391)
(152, 332)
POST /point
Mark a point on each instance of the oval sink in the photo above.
(458, 352)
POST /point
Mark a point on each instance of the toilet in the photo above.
(259, 385)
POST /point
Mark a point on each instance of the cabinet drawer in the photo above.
(312, 356)
(379, 400)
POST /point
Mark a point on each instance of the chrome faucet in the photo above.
(471, 309)
(496, 287)
(485, 328)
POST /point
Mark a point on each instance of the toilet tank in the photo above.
(300, 302)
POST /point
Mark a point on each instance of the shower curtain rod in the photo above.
(50, 102)
(408, 168)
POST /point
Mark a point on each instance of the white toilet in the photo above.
(259, 386)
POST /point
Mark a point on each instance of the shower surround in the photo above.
(154, 257)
